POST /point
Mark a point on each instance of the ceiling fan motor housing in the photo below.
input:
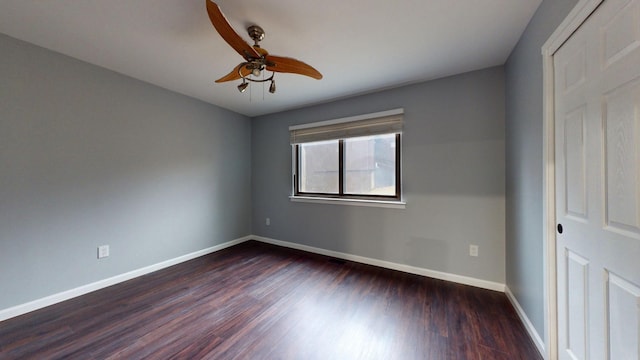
(256, 33)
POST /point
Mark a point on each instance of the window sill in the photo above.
(352, 202)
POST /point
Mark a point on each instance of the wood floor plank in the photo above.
(260, 301)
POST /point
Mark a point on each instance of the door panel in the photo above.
(575, 164)
(623, 318)
(574, 69)
(621, 34)
(622, 154)
(578, 305)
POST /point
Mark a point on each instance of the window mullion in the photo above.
(296, 174)
(341, 167)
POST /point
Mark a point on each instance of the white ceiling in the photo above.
(359, 46)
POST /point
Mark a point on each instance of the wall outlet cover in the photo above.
(103, 251)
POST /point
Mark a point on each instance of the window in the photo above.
(354, 158)
(319, 167)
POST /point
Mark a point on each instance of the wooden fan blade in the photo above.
(234, 75)
(290, 65)
(228, 34)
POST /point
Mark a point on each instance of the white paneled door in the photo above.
(597, 149)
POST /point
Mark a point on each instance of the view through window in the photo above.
(319, 167)
(370, 165)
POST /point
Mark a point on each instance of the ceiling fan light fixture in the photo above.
(272, 87)
(255, 72)
(242, 87)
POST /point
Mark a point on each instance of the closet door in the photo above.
(597, 149)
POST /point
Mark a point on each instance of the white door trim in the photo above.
(571, 23)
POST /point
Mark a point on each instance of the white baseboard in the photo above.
(389, 265)
(533, 333)
(84, 289)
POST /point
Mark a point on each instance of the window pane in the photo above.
(370, 165)
(319, 167)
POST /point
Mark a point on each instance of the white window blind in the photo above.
(386, 122)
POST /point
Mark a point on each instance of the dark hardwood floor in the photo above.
(258, 301)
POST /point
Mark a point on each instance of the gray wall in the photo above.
(453, 167)
(91, 157)
(524, 160)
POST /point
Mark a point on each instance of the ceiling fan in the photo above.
(256, 58)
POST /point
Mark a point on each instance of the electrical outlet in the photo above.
(268, 221)
(473, 250)
(103, 251)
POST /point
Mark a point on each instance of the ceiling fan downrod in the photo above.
(256, 33)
